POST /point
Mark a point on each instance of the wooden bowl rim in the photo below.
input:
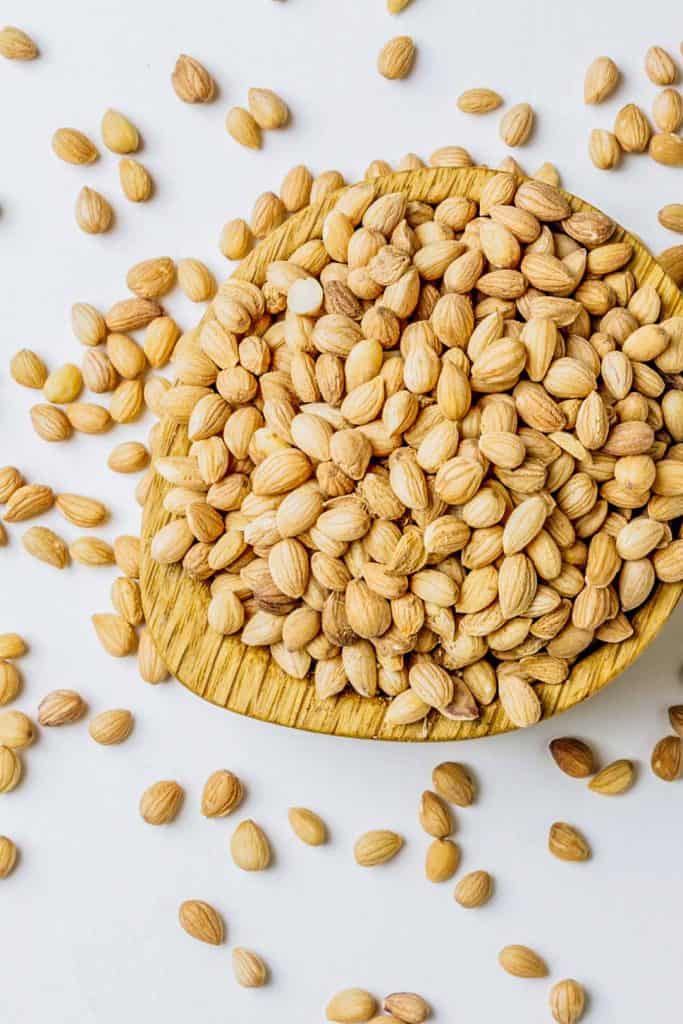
(247, 680)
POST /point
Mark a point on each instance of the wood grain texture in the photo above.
(223, 671)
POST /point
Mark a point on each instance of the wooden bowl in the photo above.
(223, 671)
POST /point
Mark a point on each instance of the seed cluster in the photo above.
(437, 454)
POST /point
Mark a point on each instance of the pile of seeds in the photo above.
(437, 454)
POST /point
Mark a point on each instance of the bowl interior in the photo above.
(246, 680)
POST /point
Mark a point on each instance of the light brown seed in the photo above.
(201, 921)
(522, 962)
(94, 214)
(567, 843)
(377, 847)
(396, 57)
(243, 127)
(666, 758)
(8, 851)
(16, 730)
(15, 44)
(474, 889)
(12, 645)
(45, 545)
(135, 179)
(517, 124)
(307, 825)
(249, 847)
(191, 81)
(10, 770)
(268, 110)
(567, 1001)
(614, 779)
(118, 133)
(249, 968)
(74, 147)
(351, 1006)
(442, 860)
(161, 802)
(479, 101)
(61, 707)
(111, 727)
(573, 757)
(408, 1007)
(115, 634)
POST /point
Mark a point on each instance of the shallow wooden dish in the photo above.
(245, 680)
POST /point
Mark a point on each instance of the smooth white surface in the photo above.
(88, 927)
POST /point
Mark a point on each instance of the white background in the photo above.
(88, 928)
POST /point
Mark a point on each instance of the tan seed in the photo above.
(408, 1007)
(15, 44)
(111, 727)
(161, 802)
(522, 962)
(602, 78)
(243, 127)
(567, 1001)
(222, 793)
(614, 779)
(573, 757)
(118, 134)
(396, 57)
(666, 758)
(474, 889)
(45, 545)
(248, 967)
(307, 825)
(191, 81)
(267, 109)
(94, 215)
(136, 182)
(8, 851)
(567, 843)
(351, 1006)
(377, 847)
(201, 921)
(249, 847)
(16, 730)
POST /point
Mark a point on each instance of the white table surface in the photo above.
(88, 928)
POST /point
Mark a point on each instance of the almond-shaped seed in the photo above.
(408, 1007)
(376, 847)
(666, 758)
(602, 78)
(632, 129)
(15, 44)
(223, 793)
(8, 851)
(16, 730)
(115, 634)
(109, 728)
(243, 127)
(604, 149)
(351, 1006)
(191, 81)
(396, 57)
(522, 962)
(267, 109)
(474, 889)
(94, 214)
(659, 66)
(28, 369)
(150, 664)
(249, 847)
(614, 779)
(61, 707)
(88, 324)
(567, 1001)
(45, 545)
(573, 757)
(82, 511)
(453, 782)
(517, 124)
(74, 147)
(12, 645)
(249, 968)
(201, 921)
(118, 133)
(479, 101)
(10, 682)
(161, 802)
(442, 860)
(567, 843)
(135, 179)
(307, 825)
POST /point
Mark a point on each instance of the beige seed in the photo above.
(602, 78)
(567, 843)
(15, 44)
(10, 682)
(74, 147)
(408, 1007)
(235, 240)
(442, 861)
(61, 707)
(16, 730)
(191, 81)
(660, 67)
(243, 127)
(522, 962)
(517, 124)
(11, 770)
(115, 634)
(118, 134)
(223, 793)
(567, 1001)
(474, 889)
(604, 149)
(8, 851)
(396, 57)
(479, 101)
(614, 779)
(267, 109)
(94, 215)
(377, 847)
(201, 921)
(307, 825)
(351, 1006)
(249, 847)
(161, 802)
(12, 645)
(111, 727)
(45, 545)
(248, 967)
(135, 179)
(28, 369)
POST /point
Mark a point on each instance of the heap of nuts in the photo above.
(437, 454)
